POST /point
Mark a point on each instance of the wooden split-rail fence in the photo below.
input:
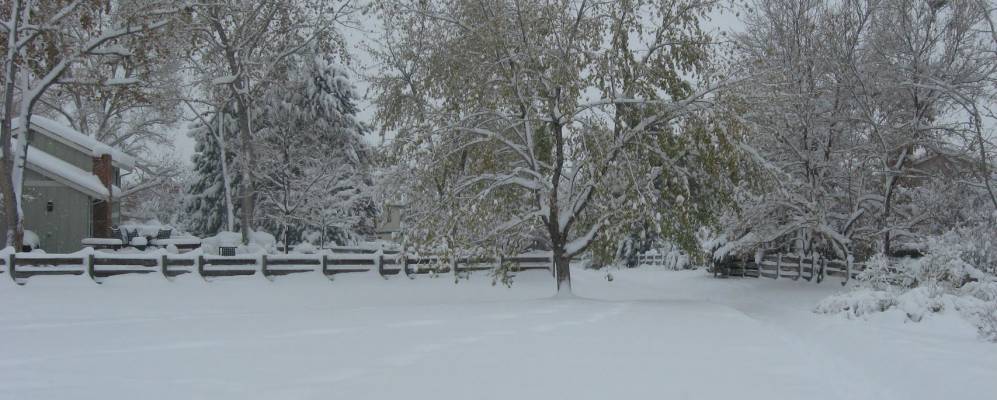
(790, 266)
(657, 260)
(99, 266)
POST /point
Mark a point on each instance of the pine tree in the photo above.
(313, 172)
(205, 204)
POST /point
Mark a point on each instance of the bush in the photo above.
(946, 263)
(857, 303)
(945, 278)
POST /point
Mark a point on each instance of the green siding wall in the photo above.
(61, 229)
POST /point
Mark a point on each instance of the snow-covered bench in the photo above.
(113, 243)
(102, 243)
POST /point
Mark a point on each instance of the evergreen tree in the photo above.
(205, 205)
(313, 173)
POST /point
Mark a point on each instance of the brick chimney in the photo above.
(102, 216)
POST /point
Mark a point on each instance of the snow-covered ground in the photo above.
(645, 335)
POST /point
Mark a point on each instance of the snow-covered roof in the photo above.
(73, 138)
(68, 174)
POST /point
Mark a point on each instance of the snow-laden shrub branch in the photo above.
(943, 280)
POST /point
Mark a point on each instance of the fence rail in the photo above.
(99, 266)
(794, 267)
(658, 260)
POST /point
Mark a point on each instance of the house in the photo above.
(71, 185)
(936, 165)
(390, 224)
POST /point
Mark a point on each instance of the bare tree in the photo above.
(846, 97)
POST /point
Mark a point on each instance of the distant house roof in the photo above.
(73, 138)
(942, 164)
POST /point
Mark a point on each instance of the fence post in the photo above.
(813, 266)
(263, 267)
(799, 267)
(499, 261)
(324, 266)
(12, 268)
(5, 268)
(164, 264)
(453, 266)
(848, 270)
(778, 266)
(403, 260)
(380, 264)
(200, 267)
(90, 268)
(823, 264)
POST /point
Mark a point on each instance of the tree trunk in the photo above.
(286, 245)
(891, 184)
(229, 213)
(240, 90)
(12, 220)
(984, 163)
(12, 217)
(562, 270)
(248, 156)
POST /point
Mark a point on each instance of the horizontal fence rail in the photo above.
(791, 266)
(99, 266)
(657, 260)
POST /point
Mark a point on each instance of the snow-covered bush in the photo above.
(305, 248)
(32, 240)
(858, 302)
(947, 262)
(943, 280)
(975, 302)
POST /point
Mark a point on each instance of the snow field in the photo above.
(649, 334)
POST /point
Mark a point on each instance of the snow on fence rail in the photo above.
(98, 266)
(777, 266)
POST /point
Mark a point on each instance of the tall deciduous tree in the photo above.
(846, 98)
(528, 121)
(127, 102)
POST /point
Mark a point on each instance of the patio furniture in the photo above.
(138, 242)
(226, 250)
(164, 233)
